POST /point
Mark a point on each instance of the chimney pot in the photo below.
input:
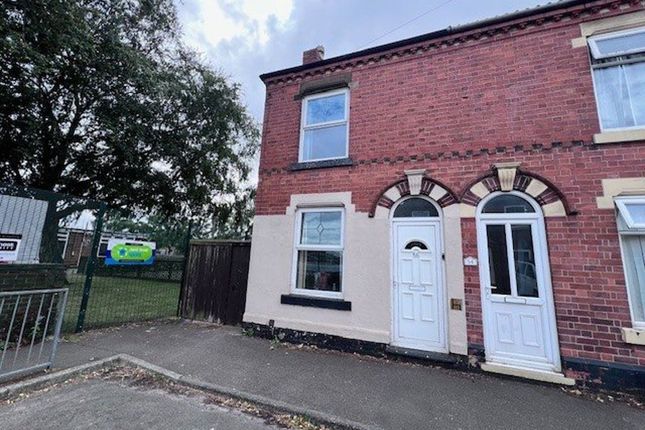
(313, 55)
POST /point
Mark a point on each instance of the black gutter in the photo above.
(430, 36)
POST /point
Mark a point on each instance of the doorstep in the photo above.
(522, 372)
(424, 355)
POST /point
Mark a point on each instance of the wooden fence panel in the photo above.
(214, 286)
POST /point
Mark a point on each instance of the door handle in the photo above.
(489, 290)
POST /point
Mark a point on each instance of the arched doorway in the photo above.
(418, 302)
(517, 297)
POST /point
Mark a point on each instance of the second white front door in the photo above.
(419, 314)
(518, 312)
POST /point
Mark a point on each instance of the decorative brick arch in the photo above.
(509, 177)
(437, 191)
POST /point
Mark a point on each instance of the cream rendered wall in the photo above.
(366, 274)
(457, 334)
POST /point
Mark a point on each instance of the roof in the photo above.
(549, 7)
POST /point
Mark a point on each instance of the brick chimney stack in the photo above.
(313, 55)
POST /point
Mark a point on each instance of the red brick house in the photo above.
(473, 195)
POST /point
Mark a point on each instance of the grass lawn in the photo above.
(119, 300)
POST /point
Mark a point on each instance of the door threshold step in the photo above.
(523, 372)
(425, 355)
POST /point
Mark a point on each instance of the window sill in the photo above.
(619, 136)
(635, 336)
(316, 302)
(306, 165)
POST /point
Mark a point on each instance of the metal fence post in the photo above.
(185, 266)
(62, 303)
(91, 265)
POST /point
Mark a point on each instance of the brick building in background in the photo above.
(476, 192)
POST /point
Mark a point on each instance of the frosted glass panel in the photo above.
(320, 228)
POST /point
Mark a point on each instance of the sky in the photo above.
(245, 38)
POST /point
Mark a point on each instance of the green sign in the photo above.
(130, 252)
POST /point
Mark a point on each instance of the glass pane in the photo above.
(635, 76)
(636, 212)
(326, 142)
(415, 208)
(523, 251)
(498, 259)
(320, 228)
(326, 109)
(613, 98)
(508, 204)
(416, 244)
(618, 45)
(634, 254)
(319, 270)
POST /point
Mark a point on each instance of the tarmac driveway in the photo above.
(374, 392)
(98, 404)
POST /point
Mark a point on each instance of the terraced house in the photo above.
(476, 195)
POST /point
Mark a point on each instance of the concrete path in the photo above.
(371, 391)
(98, 404)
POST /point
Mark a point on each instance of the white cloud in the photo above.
(212, 22)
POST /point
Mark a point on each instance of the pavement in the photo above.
(374, 392)
(99, 404)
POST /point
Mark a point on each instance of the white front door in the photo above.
(519, 320)
(419, 314)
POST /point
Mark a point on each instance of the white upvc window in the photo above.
(324, 131)
(631, 226)
(618, 62)
(318, 252)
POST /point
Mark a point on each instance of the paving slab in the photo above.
(101, 404)
(376, 392)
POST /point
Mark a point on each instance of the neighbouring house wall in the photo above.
(521, 94)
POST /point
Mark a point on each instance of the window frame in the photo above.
(596, 56)
(621, 204)
(297, 247)
(593, 45)
(304, 127)
(637, 230)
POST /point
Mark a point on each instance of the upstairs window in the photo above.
(324, 131)
(631, 227)
(618, 62)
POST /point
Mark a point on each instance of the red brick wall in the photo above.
(525, 95)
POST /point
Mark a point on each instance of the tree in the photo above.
(101, 100)
(233, 220)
